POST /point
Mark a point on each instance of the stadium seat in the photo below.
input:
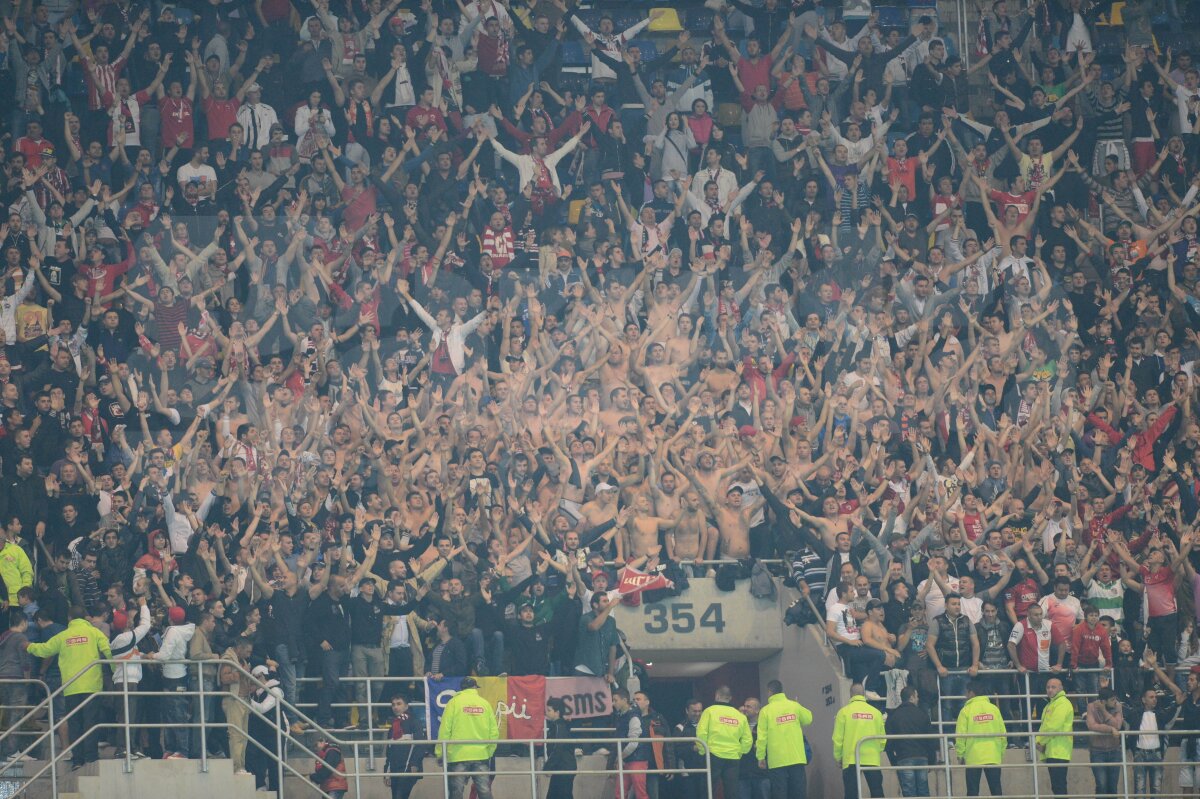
(649, 49)
(666, 22)
(573, 54)
(699, 20)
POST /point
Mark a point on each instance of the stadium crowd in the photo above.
(373, 338)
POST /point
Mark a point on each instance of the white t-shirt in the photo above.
(935, 600)
(204, 176)
(847, 625)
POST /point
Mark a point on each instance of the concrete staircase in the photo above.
(107, 779)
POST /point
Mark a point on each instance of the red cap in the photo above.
(176, 615)
(747, 430)
(120, 619)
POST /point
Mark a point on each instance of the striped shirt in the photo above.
(1108, 598)
(101, 80)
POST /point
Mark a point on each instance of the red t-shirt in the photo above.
(754, 74)
(220, 115)
(1023, 595)
(178, 116)
(1160, 591)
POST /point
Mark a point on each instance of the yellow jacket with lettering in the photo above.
(980, 715)
(468, 717)
(77, 647)
(857, 720)
(725, 731)
(781, 725)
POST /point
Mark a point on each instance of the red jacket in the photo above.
(330, 771)
(1088, 643)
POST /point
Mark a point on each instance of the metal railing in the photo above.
(364, 762)
(1027, 697)
(1033, 767)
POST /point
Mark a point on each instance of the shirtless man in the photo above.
(876, 636)
(690, 539)
(732, 518)
(601, 509)
(619, 407)
(720, 377)
(642, 530)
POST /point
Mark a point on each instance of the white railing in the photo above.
(364, 763)
(1032, 768)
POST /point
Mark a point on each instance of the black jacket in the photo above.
(909, 719)
(454, 658)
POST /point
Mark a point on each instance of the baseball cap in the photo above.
(120, 619)
(260, 671)
(605, 487)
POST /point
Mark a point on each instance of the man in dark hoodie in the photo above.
(911, 719)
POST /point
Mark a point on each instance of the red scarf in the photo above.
(369, 115)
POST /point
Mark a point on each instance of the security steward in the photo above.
(859, 719)
(726, 732)
(780, 748)
(469, 717)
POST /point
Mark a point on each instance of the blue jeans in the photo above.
(490, 657)
(754, 788)
(333, 667)
(913, 782)
(1148, 775)
(288, 673)
(953, 684)
(469, 771)
(176, 712)
(1106, 776)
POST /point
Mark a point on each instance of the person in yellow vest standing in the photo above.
(469, 717)
(1057, 717)
(16, 571)
(780, 748)
(857, 720)
(982, 756)
(77, 648)
(726, 732)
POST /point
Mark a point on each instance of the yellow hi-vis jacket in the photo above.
(857, 720)
(980, 715)
(1059, 716)
(781, 724)
(77, 647)
(725, 731)
(468, 717)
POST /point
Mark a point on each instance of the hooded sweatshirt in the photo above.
(125, 647)
(175, 647)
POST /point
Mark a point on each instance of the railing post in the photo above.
(445, 772)
(203, 731)
(357, 773)
(533, 792)
(1124, 767)
(370, 729)
(708, 770)
(620, 792)
(53, 733)
(1033, 753)
(128, 721)
(279, 743)
(946, 749)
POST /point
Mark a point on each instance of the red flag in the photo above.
(632, 583)
(526, 707)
